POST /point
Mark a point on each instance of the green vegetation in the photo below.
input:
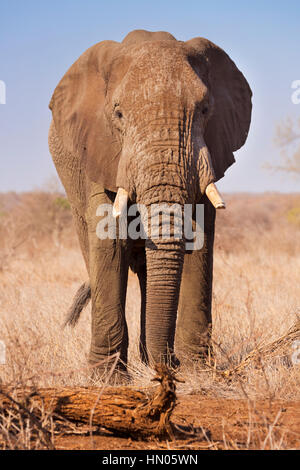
(62, 203)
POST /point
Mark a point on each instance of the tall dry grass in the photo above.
(256, 296)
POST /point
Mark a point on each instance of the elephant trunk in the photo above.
(164, 260)
(165, 248)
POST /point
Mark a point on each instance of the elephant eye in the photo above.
(118, 114)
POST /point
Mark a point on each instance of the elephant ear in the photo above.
(228, 125)
(78, 109)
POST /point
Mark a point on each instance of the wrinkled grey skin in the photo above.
(158, 109)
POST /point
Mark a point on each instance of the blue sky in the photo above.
(40, 39)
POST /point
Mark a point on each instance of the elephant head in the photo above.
(155, 120)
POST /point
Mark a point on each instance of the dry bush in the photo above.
(267, 222)
(33, 222)
(22, 427)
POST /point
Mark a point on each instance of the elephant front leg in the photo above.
(108, 271)
(194, 320)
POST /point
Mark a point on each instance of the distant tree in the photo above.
(287, 139)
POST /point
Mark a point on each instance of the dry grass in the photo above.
(255, 301)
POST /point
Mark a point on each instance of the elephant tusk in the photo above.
(120, 202)
(214, 196)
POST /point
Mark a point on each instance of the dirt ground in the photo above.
(212, 424)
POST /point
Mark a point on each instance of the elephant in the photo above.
(155, 120)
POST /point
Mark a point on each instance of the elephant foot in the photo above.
(191, 347)
(171, 360)
(204, 356)
(117, 377)
(109, 373)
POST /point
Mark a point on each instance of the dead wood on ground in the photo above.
(121, 410)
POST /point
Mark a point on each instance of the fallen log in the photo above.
(121, 410)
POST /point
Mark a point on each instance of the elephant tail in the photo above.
(80, 301)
